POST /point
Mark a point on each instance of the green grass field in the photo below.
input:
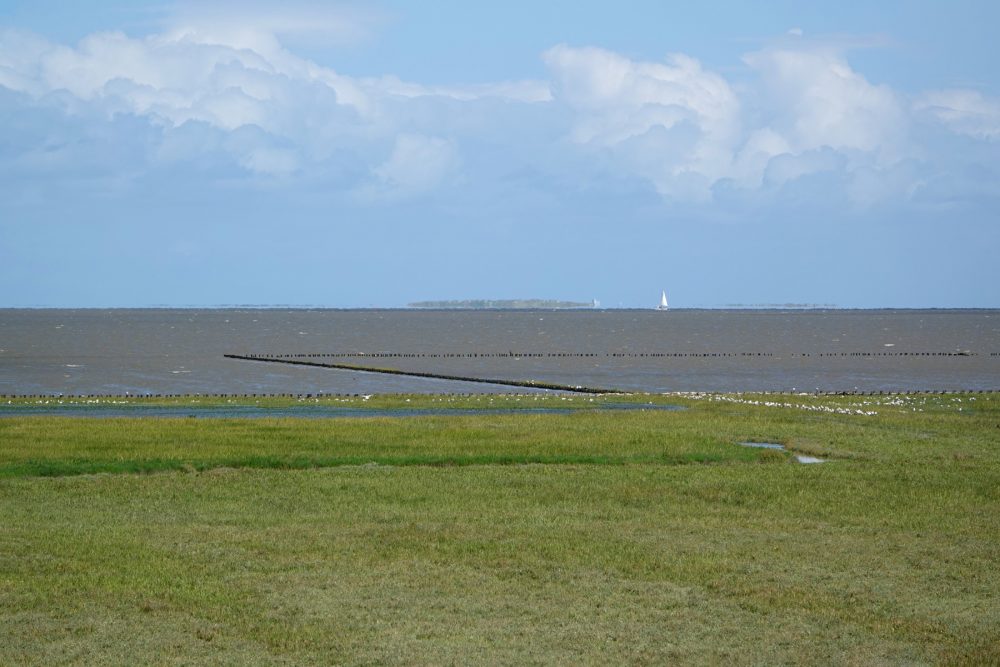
(592, 537)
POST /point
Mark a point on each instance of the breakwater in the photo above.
(532, 384)
(308, 359)
(583, 355)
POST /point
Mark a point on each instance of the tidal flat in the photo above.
(588, 537)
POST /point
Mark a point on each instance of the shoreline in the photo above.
(154, 397)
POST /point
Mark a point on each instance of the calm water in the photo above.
(181, 351)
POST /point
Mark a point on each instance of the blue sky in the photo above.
(373, 154)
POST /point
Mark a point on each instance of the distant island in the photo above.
(783, 306)
(480, 304)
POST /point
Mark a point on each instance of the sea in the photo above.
(182, 351)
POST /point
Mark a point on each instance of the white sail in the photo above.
(663, 301)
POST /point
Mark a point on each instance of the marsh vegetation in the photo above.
(591, 537)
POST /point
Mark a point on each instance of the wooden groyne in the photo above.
(531, 384)
(591, 355)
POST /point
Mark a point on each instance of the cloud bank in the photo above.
(231, 101)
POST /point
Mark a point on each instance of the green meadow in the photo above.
(595, 537)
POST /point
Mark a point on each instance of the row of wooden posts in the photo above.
(489, 355)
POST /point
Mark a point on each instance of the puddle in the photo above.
(801, 458)
(762, 445)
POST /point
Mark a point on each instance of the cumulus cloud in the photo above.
(225, 95)
(686, 129)
(303, 113)
(672, 120)
(815, 99)
(171, 77)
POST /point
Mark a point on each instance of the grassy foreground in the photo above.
(585, 538)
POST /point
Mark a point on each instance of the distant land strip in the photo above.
(436, 376)
(502, 304)
(784, 306)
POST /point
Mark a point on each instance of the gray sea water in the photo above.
(156, 351)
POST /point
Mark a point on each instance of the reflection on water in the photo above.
(801, 458)
(762, 445)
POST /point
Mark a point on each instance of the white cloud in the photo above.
(176, 78)
(966, 112)
(695, 113)
(815, 99)
(209, 90)
(179, 76)
(685, 128)
(752, 160)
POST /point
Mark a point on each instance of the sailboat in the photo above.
(663, 301)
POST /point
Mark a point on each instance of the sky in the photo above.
(375, 154)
